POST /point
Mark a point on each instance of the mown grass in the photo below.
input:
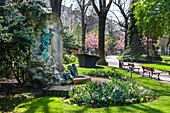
(159, 66)
(55, 104)
(165, 57)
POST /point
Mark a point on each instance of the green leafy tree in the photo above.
(135, 46)
(153, 17)
(152, 21)
(17, 29)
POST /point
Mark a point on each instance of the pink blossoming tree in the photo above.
(91, 40)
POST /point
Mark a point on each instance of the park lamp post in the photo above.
(131, 70)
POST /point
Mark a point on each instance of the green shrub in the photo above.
(69, 59)
(142, 58)
(99, 73)
(127, 58)
(121, 91)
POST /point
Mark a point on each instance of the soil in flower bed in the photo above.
(101, 79)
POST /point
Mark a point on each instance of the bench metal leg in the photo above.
(151, 75)
(158, 76)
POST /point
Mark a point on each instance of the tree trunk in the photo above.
(126, 34)
(102, 20)
(83, 32)
(147, 49)
(56, 6)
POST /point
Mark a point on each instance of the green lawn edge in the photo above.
(158, 66)
(55, 104)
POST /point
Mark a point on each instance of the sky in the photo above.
(110, 15)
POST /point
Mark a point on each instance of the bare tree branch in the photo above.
(104, 3)
(122, 10)
(87, 6)
(100, 3)
(118, 20)
(109, 4)
(95, 7)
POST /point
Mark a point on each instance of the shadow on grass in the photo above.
(48, 105)
(140, 108)
(11, 95)
(37, 105)
(163, 64)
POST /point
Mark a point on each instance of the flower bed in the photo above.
(121, 91)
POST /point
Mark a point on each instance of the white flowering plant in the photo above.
(121, 91)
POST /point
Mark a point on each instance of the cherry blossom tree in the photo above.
(91, 40)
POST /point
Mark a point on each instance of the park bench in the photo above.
(123, 65)
(151, 71)
(133, 67)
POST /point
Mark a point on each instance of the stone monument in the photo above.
(46, 63)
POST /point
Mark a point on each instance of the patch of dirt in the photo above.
(101, 79)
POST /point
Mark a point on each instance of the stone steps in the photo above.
(63, 90)
(59, 91)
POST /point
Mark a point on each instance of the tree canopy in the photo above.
(153, 17)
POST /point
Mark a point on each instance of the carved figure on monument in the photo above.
(46, 43)
(46, 64)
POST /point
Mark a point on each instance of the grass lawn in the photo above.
(159, 66)
(55, 104)
(165, 57)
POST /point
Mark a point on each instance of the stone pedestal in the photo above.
(81, 79)
(46, 64)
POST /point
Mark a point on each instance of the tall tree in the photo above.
(102, 11)
(134, 36)
(83, 8)
(152, 20)
(124, 9)
(56, 6)
(153, 17)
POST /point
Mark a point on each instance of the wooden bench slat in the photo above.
(132, 65)
(124, 66)
(151, 71)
